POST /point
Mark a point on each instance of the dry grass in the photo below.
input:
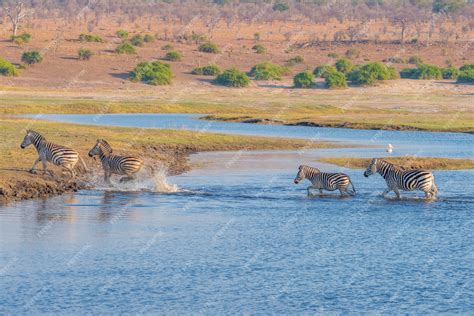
(407, 162)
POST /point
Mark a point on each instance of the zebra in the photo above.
(401, 179)
(325, 181)
(113, 164)
(47, 151)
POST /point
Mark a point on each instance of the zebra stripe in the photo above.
(47, 151)
(325, 181)
(113, 164)
(400, 179)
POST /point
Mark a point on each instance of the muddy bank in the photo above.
(407, 162)
(19, 184)
(351, 125)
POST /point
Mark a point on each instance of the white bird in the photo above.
(389, 148)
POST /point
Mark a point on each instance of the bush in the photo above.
(173, 56)
(148, 38)
(84, 54)
(466, 67)
(155, 73)
(210, 70)
(91, 38)
(167, 47)
(295, 60)
(125, 48)
(344, 65)
(122, 34)
(268, 71)
(31, 57)
(466, 76)
(22, 38)
(137, 40)
(450, 72)
(232, 78)
(7, 69)
(370, 73)
(393, 73)
(304, 79)
(415, 60)
(280, 6)
(429, 72)
(322, 71)
(333, 55)
(336, 80)
(352, 53)
(259, 49)
(409, 73)
(209, 48)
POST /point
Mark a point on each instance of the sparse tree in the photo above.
(16, 13)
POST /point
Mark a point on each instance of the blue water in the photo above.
(460, 145)
(240, 237)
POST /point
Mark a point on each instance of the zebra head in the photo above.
(101, 147)
(29, 138)
(302, 173)
(371, 168)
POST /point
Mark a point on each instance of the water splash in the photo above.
(144, 182)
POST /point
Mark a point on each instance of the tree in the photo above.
(16, 13)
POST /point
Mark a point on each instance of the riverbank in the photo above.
(408, 162)
(428, 105)
(169, 149)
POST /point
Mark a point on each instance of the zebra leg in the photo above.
(320, 191)
(33, 169)
(384, 193)
(71, 171)
(107, 175)
(45, 169)
(397, 193)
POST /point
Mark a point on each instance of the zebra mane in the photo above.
(308, 167)
(105, 145)
(391, 164)
(35, 133)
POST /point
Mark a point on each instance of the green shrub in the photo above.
(304, 79)
(370, 73)
(322, 71)
(137, 40)
(280, 6)
(173, 56)
(295, 60)
(91, 38)
(31, 57)
(84, 54)
(232, 78)
(466, 67)
(7, 69)
(210, 70)
(148, 38)
(333, 55)
(209, 48)
(268, 71)
(155, 73)
(259, 49)
(167, 47)
(336, 80)
(122, 34)
(125, 48)
(415, 60)
(344, 65)
(429, 72)
(409, 73)
(466, 76)
(352, 53)
(450, 72)
(393, 73)
(22, 38)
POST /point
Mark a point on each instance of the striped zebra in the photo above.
(401, 179)
(325, 181)
(113, 164)
(56, 154)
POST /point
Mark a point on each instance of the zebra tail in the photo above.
(353, 188)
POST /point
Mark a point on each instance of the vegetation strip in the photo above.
(408, 162)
